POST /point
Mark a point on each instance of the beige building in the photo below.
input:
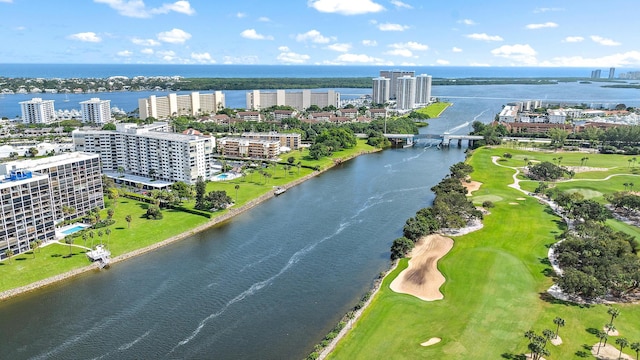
(299, 100)
(194, 104)
(248, 148)
(290, 140)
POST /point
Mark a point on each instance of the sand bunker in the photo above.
(612, 332)
(432, 341)
(608, 352)
(513, 203)
(471, 186)
(581, 169)
(557, 341)
(521, 199)
(422, 278)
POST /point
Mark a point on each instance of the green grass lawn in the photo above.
(434, 110)
(495, 290)
(53, 259)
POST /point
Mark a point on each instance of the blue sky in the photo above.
(342, 32)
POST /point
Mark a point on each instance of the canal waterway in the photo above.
(270, 283)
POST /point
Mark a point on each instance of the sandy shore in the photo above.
(213, 222)
(422, 278)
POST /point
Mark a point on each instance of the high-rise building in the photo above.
(423, 89)
(150, 151)
(299, 100)
(394, 75)
(37, 111)
(381, 90)
(612, 73)
(595, 74)
(96, 111)
(406, 93)
(194, 104)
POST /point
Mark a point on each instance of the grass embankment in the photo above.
(434, 110)
(54, 259)
(495, 290)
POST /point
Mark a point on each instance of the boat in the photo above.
(66, 97)
(279, 190)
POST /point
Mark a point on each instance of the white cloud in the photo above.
(542, 26)
(466, 22)
(250, 59)
(357, 58)
(628, 59)
(604, 41)
(479, 64)
(147, 51)
(543, 10)
(167, 55)
(174, 36)
(292, 58)
(485, 37)
(369, 43)
(283, 48)
(392, 27)
(573, 39)
(182, 7)
(443, 62)
(137, 8)
(124, 53)
(313, 36)
(241, 15)
(344, 47)
(145, 42)
(253, 35)
(6, 1)
(204, 57)
(411, 45)
(456, 49)
(264, 19)
(520, 53)
(19, 28)
(400, 52)
(89, 36)
(400, 4)
(351, 7)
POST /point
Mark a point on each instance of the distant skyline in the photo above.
(385, 33)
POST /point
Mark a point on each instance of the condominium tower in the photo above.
(423, 89)
(37, 111)
(194, 104)
(393, 76)
(150, 151)
(96, 111)
(381, 90)
(406, 93)
(299, 100)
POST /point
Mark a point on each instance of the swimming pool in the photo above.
(73, 230)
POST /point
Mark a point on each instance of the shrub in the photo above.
(487, 204)
(507, 155)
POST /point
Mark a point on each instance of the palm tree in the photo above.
(610, 328)
(100, 233)
(623, 343)
(91, 235)
(32, 245)
(121, 170)
(548, 335)
(110, 213)
(614, 314)
(85, 236)
(299, 164)
(633, 159)
(108, 232)
(237, 187)
(602, 336)
(128, 219)
(636, 347)
(629, 163)
(69, 240)
(559, 322)
(8, 253)
(626, 185)
(631, 186)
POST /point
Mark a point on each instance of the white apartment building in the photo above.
(393, 76)
(150, 151)
(38, 111)
(194, 104)
(96, 111)
(299, 100)
(290, 140)
(248, 148)
(381, 90)
(509, 114)
(75, 180)
(406, 93)
(423, 89)
(26, 211)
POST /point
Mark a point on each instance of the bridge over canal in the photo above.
(445, 139)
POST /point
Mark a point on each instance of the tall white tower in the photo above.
(406, 95)
(37, 111)
(381, 90)
(423, 89)
(96, 111)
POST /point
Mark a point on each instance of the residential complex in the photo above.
(163, 107)
(36, 194)
(407, 89)
(150, 151)
(299, 100)
(289, 140)
(423, 89)
(96, 111)
(38, 111)
(406, 98)
(248, 148)
(381, 90)
(393, 76)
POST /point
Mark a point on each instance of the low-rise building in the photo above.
(289, 140)
(280, 115)
(248, 148)
(249, 116)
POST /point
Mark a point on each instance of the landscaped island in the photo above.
(496, 279)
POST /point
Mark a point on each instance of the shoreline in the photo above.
(11, 293)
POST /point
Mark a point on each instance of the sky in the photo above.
(558, 33)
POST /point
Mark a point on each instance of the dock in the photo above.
(100, 254)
